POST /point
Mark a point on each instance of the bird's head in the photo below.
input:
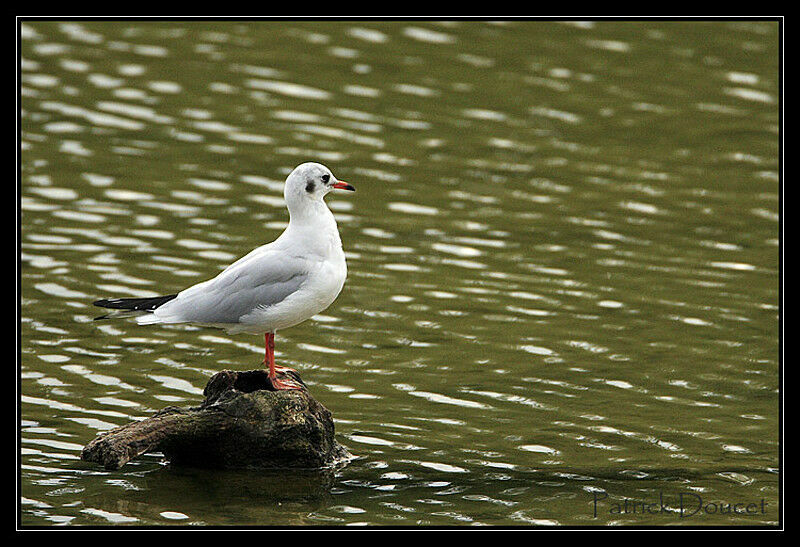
(312, 181)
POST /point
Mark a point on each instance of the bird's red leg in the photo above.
(269, 349)
(269, 353)
(269, 360)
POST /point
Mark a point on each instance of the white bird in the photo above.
(275, 286)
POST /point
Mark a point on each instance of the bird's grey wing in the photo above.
(258, 279)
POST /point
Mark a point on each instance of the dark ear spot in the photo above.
(310, 186)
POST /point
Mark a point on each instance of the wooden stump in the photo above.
(241, 423)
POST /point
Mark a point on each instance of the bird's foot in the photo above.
(286, 383)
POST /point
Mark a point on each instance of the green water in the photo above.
(563, 264)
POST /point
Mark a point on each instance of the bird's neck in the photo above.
(315, 224)
(310, 212)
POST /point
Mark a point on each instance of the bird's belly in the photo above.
(314, 296)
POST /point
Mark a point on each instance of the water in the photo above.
(563, 264)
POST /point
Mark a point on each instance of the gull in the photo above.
(275, 286)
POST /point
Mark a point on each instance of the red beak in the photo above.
(341, 185)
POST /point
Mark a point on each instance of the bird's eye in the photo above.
(325, 178)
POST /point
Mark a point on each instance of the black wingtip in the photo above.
(134, 304)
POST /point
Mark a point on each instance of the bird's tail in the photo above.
(130, 305)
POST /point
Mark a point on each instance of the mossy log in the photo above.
(241, 423)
